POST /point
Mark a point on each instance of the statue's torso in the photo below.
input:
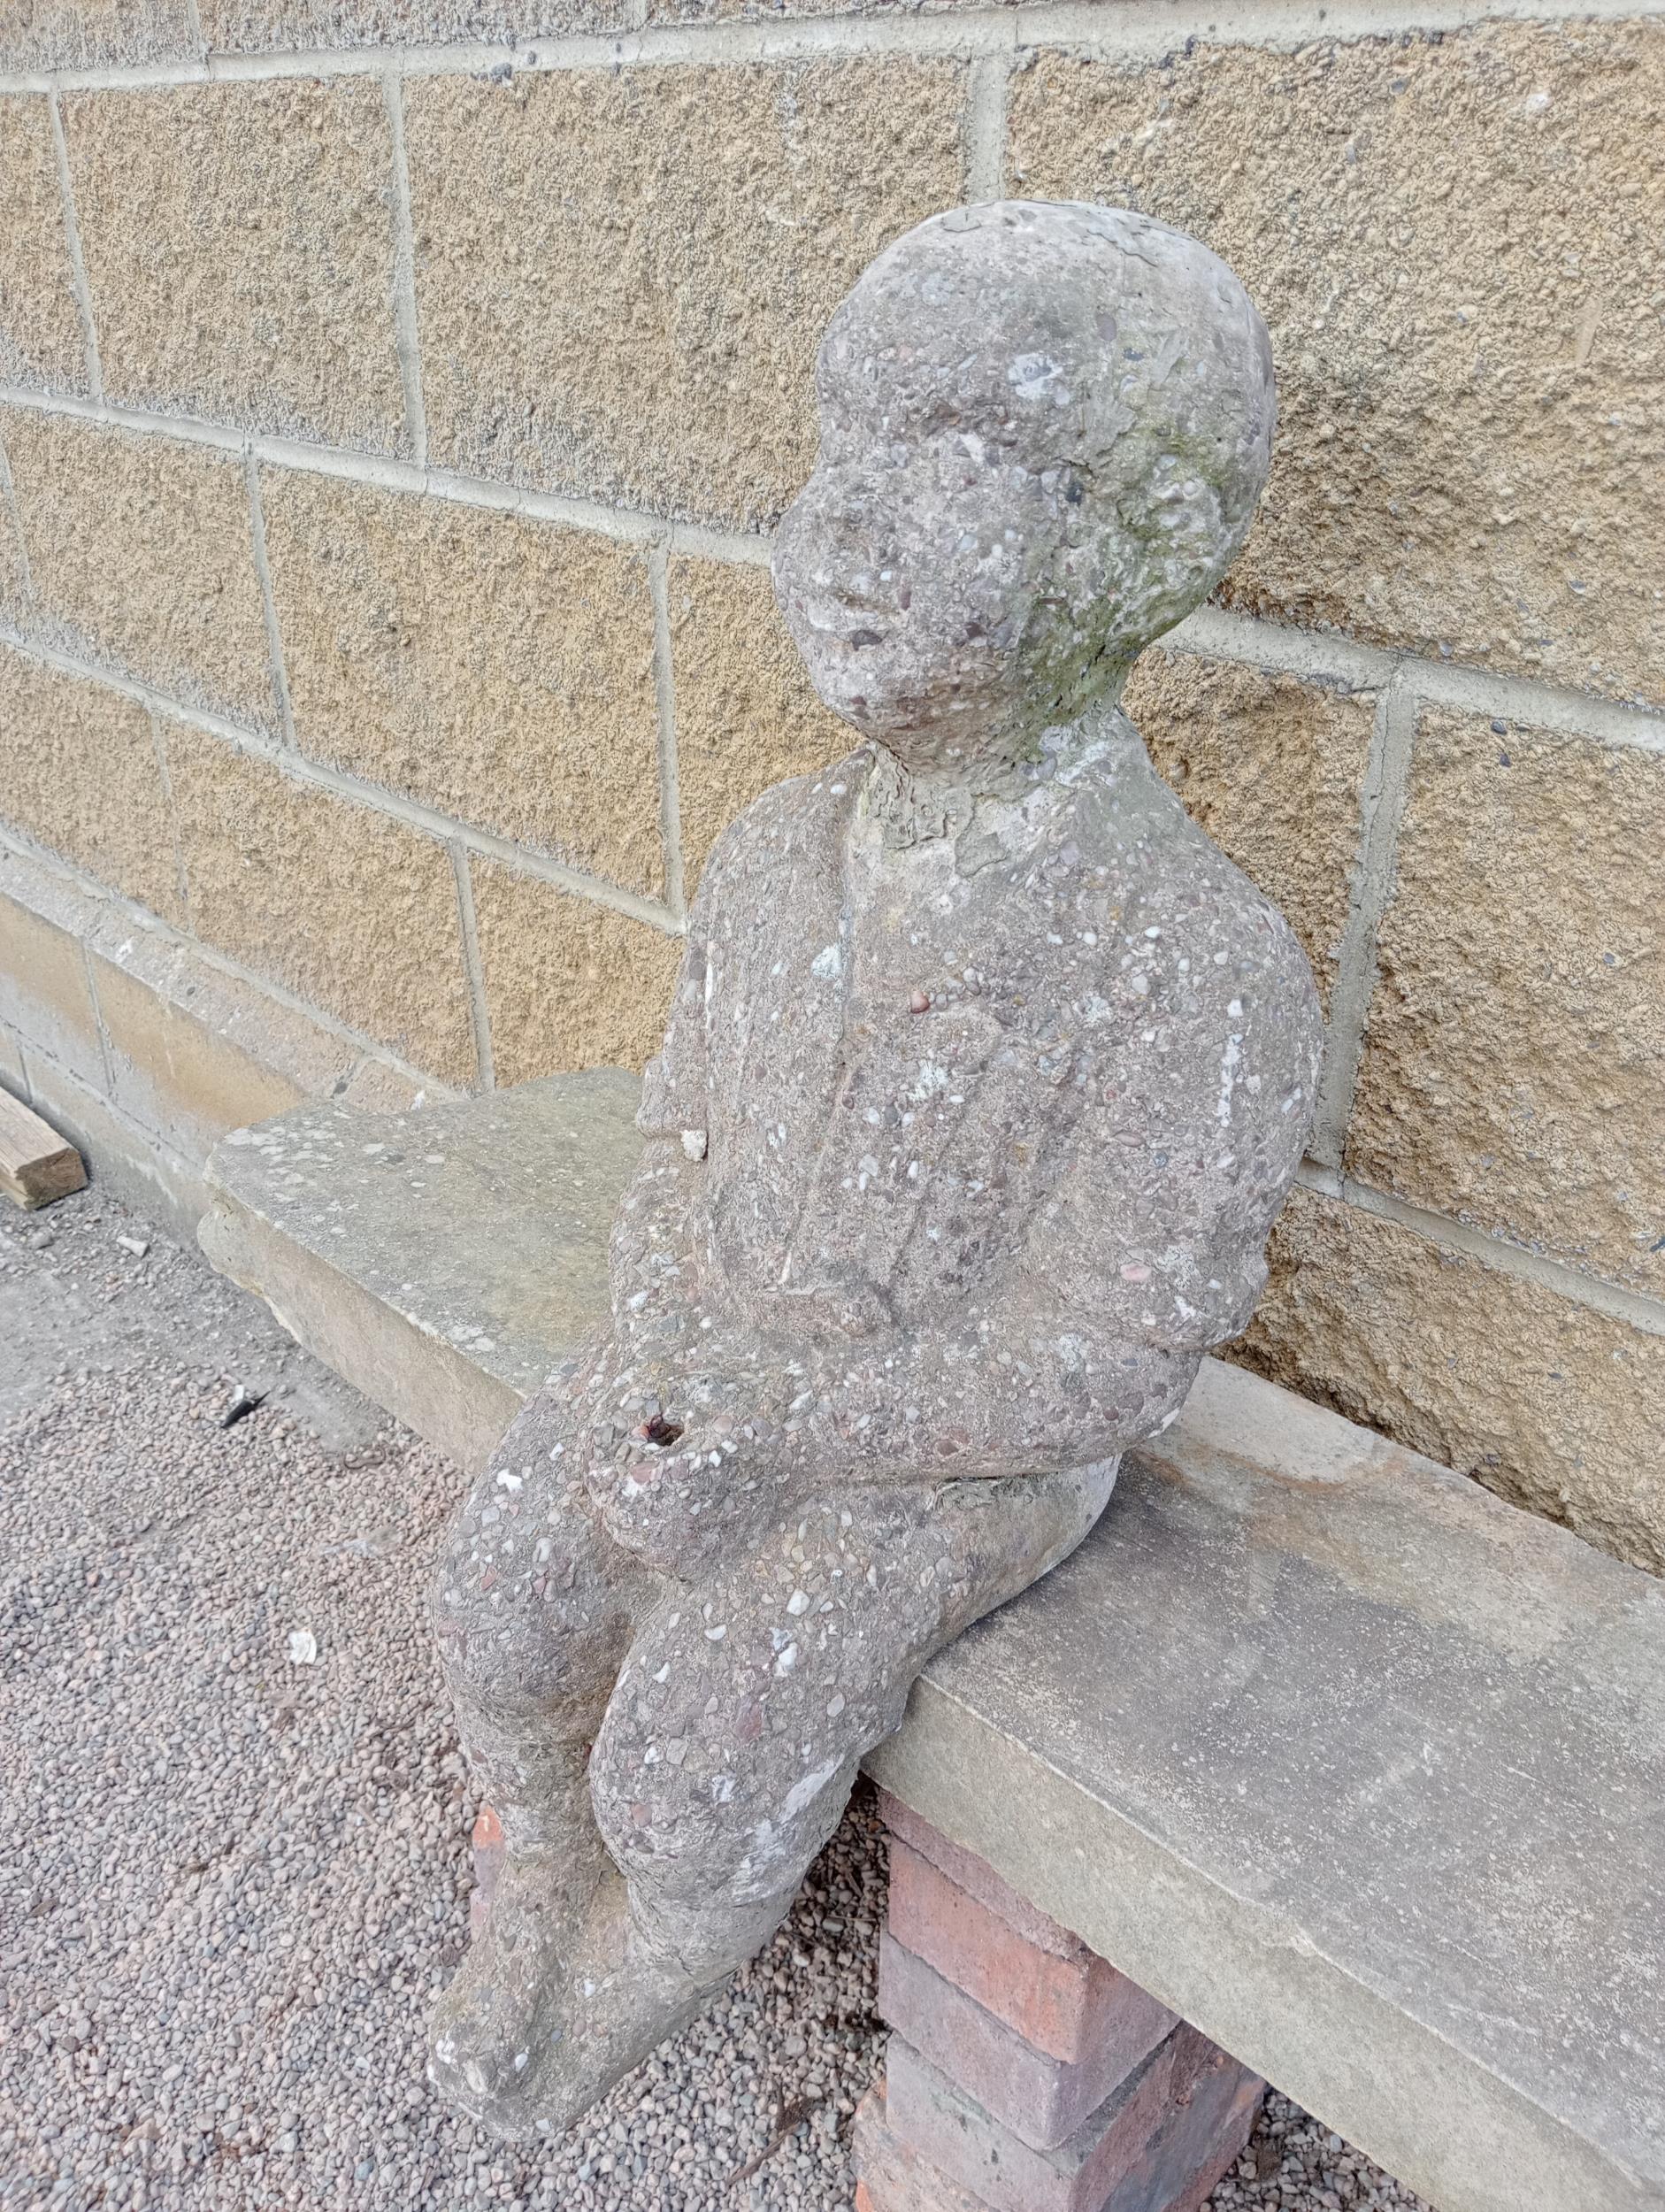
(903, 1051)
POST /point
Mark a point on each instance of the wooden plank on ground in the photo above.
(36, 1165)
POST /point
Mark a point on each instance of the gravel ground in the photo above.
(232, 1860)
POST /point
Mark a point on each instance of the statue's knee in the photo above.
(529, 1615)
(661, 1811)
(464, 1579)
(530, 1660)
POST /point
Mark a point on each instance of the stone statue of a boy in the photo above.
(985, 1078)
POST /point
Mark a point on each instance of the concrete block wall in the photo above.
(396, 397)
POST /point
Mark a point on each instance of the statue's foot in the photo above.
(559, 1997)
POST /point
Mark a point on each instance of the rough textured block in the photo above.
(1273, 768)
(44, 995)
(79, 771)
(746, 715)
(1457, 249)
(237, 26)
(949, 2130)
(569, 984)
(381, 944)
(1058, 2000)
(141, 554)
(13, 1075)
(621, 276)
(255, 287)
(1552, 1406)
(14, 599)
(501, 669)
(89, 33)
(1042, 2100)
(1511, 1071)
(40, 339)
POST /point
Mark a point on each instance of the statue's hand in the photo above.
(685, 1456)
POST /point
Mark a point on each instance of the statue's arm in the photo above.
(676, 1082)
(1154, 1233)
(1144, 1249)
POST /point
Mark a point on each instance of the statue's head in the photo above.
(1044, 429)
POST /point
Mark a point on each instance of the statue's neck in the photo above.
(914, 803)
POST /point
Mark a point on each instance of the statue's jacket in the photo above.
(1021, 1094)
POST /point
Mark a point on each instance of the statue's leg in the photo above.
(740, 1719)
(533, 1605)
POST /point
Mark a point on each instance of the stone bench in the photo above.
(1352, 1766)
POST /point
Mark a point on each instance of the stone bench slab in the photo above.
(1356, 1768)
(443, 1260)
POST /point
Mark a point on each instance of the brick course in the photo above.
(1042, 2099)
(982, 2108)
(1054, 1994)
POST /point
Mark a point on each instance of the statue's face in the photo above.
(1043, 428)
(927, 571)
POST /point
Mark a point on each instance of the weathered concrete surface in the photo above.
(1358, 1768)
(441, 1260)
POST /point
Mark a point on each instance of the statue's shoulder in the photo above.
(1173, 904)
(798, 822)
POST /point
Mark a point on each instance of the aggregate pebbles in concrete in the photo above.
(231, 1879)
